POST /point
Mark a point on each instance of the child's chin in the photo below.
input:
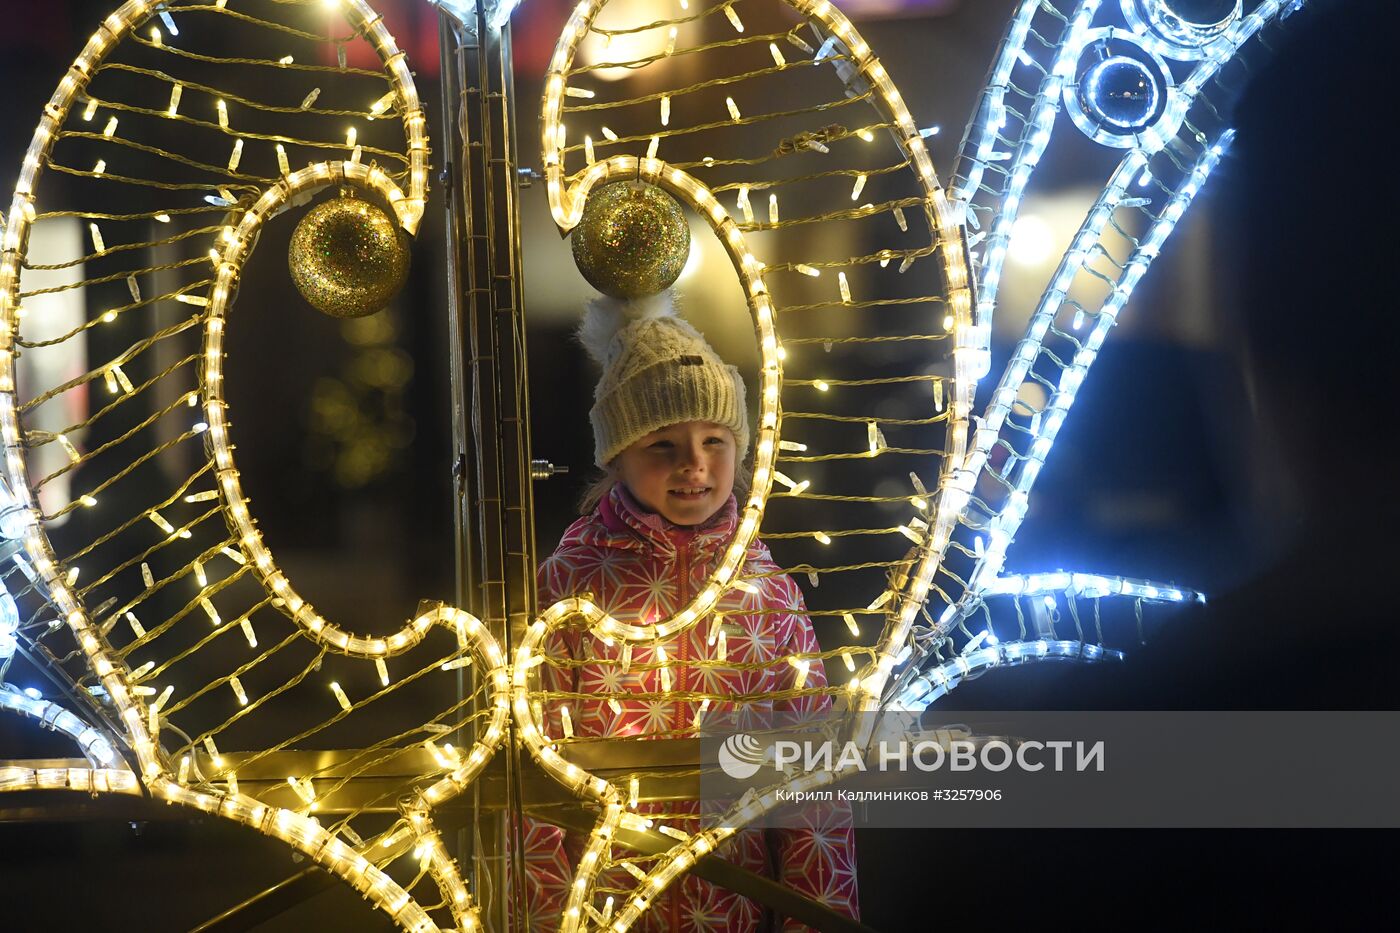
(680, 512)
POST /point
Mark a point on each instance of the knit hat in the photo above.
(658, 370)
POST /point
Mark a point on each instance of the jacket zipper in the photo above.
(683, 565)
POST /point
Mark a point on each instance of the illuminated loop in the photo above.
(1123, 94)
(1188, 30)
(698, 196)
(235, 245)
(971, 356)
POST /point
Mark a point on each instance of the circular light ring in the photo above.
(1114, 79)
(1167, 106)
(1166, 31)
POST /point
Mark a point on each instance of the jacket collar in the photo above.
(622, 514)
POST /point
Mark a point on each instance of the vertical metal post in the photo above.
(496, 546)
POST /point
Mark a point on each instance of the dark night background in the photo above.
(1268, 482)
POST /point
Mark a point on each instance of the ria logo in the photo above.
(741, 756)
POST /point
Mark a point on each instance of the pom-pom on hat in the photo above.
(658, 370)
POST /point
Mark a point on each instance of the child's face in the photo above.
(684, 471)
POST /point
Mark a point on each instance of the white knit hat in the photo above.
(658, 370)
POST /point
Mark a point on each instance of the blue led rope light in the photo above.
(1002, 528)
(95, 746)
(1027, 158)
(981, 135)
(936, 682)
(1036, 137)
(1167, 32)
(1099, 97)
(1088, 585)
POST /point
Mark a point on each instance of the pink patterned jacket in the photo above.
(638, 565)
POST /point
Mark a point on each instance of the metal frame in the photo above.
(490, 405)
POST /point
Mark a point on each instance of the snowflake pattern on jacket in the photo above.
(639, 568)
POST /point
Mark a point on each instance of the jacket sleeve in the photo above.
(819, 859)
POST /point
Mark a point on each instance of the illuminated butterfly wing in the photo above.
(1152, 79)
(776, 125)
(177, 136)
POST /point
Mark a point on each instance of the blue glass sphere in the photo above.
(1200, 12)
(1121, 92)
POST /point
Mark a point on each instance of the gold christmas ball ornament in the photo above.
(348, 257)
(632, 240)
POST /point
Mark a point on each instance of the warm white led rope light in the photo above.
(360, 16)
(1004, 524)
(234, 247)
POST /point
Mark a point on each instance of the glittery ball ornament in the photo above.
(348, 258)
(632, 240)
